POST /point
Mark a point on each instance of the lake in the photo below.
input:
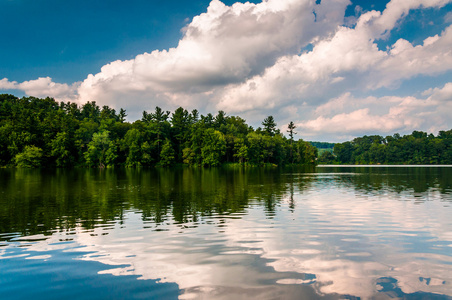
(308, 233)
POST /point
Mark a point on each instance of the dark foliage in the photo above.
(418, 148)
(42, 132)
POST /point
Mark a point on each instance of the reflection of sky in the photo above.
(337, 240)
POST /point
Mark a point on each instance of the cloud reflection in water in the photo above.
(330, 238)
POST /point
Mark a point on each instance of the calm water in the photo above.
(328, 232)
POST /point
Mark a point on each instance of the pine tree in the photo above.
(269, 125)
(291, 132)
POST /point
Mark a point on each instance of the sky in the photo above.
(338, 69)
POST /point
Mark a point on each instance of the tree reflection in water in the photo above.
(325, 232)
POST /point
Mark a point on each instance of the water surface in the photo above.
(328, 232)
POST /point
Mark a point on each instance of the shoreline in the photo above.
(379, 166)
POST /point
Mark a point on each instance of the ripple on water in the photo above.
(337, 235)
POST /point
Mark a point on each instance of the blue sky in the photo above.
(337, 68)
(69, 39)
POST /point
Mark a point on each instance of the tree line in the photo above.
(418, 148)
(38, 132)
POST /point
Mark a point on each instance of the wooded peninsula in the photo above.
(418, 148)
(43, 132)
(38, 132)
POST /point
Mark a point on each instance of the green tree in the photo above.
(5, 133)
(269, 125)
(122, 115)
(60, 146)
(208, 120)
(256, 148)
(237, 126)
(91, 111)
(188, 156)
(158, 126)
(146, 154)
(180, 122)
(309, 152)
(167, 156)
(97, 148)
(194, 116)
(291, 127)
(91, 136)
(220, 122)
(111, 156)
(279, 149)
(83, 135)
(214, 147)
(31, 157)
(291, 131)
(344, 152)
(326, 158)
(241, 150)
(192, 153)
(131, 145)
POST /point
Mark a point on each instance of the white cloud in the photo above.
(248, 59)
(440, 94)
(5, 84)
(448, 17)
(308, 76)
(406, 61)
(43, 87)
(396, 10)
(359, 121)
(384, 115)
(226, 45)
(348, 60)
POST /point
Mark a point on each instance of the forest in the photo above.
(418, 148)
(38, 133)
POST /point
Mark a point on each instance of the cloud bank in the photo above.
(293, 59)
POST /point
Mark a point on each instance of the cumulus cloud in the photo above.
(396, 9)
(443, 94)
(448, 17)
(360, 121)
(252, 60)
(405, 60)
(43, 87)
(383, 115)
(5, 84)
(349, 60)
(226, 45)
